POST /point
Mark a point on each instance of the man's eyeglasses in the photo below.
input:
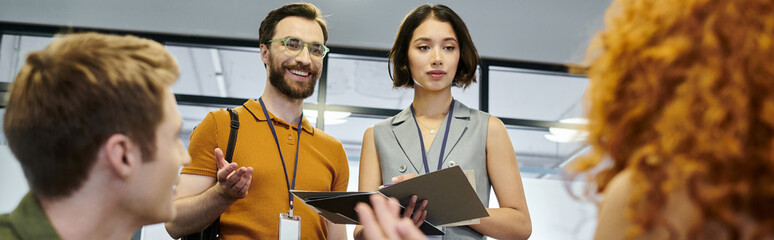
(295, 45)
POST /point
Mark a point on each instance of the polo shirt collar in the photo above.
(254, 107)
(30, 221)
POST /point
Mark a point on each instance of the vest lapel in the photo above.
(459, 125)
(405, 131)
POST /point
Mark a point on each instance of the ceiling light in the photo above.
(567, 135)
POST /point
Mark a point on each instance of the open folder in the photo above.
(450, 196)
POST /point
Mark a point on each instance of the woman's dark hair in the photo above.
(466, 69)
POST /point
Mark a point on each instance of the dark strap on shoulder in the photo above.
(232, 137)
(212, 231)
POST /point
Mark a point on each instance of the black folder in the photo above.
(450, 196)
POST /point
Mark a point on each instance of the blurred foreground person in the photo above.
(95, 126)
(681, 120)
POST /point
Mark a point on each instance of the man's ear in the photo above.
(122, 155)
(264, 53)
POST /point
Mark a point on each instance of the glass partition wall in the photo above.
(539, 103)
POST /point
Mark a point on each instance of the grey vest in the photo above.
(397, 143)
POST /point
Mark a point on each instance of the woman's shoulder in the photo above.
(395, 119)
(385, 123)
(462, 110)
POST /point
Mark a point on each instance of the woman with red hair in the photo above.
(681, 120)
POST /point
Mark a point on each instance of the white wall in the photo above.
(13, 185)
(557, 215)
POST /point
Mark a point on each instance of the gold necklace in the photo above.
(432, 130)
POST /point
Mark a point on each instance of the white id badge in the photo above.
(289, 227)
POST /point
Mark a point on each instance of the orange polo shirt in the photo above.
(322, 166)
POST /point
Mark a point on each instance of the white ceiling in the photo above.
(555, 31)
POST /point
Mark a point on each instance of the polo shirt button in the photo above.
(290, 137)
(452, 164)
(402, 168)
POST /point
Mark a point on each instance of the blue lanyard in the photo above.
(282, 159)
(445, 136)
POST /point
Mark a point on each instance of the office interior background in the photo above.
(522, 79)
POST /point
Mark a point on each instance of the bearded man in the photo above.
(276, 150)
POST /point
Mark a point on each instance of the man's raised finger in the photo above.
(234, 178)
(224, 173)
(220, 160)
(243, 191)
(243, 181)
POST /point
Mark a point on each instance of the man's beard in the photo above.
(283, 85)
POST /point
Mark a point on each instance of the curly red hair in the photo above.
(682, 93)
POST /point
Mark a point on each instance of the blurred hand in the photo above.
(382, 222)
(233, 183)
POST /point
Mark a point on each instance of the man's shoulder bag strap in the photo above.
(213, 230)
